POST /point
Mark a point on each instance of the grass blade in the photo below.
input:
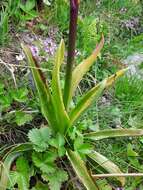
(103, 134)
(81, 170)
(107, 165)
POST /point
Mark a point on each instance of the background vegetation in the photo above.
(42, 26)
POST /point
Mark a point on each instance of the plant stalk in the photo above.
(118, 175)
(74, 6)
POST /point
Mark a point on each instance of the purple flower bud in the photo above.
(74, 6)
(74, 3)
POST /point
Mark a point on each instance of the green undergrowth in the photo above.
(122, 107)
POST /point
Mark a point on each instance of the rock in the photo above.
(134, 63)
(135, 59)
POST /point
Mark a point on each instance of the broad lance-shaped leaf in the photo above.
(113, 133)
(115, 76)
(83, 67)
(8, 160)
(93, 95)
(87, 100)
(47, 106)
(62, 116)
(81, 170)
(106, 165)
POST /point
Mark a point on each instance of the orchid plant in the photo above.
(61, 139)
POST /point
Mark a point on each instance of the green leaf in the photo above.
(87, 99)
(58, 143)
(113, 133)
(81, 147)
(4, 25)
(22, 165)
(22, 118)
(20, 95)
(114, 77)
(40, 186)
(106, 164)
(8, 159)
(83, 67)
(81, 170)
(61, 151)
(47, 106)
(56, 179)
(30, 5)
(60, 140)
(45, 161)
(131, 152)
(40, 138)
(29, 14)
(62, 115)
(13, 6)
(5, 101)
(13, 176)
(21, 175)
(1, 88)
(22, 7)
(103, 184)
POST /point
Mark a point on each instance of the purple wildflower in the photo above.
(131, 24)
(34, 50)
(53, 32)
(50, 46)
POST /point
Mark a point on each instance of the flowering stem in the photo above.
(74, 5)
